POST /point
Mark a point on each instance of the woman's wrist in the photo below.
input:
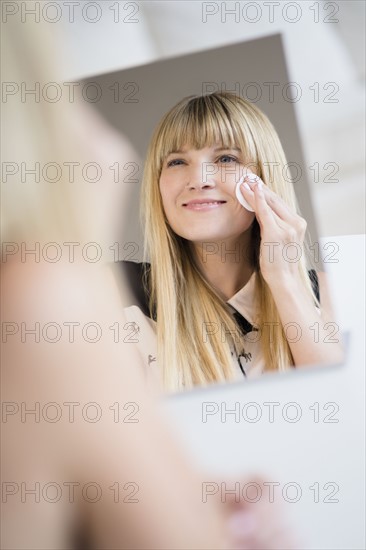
(285, 284)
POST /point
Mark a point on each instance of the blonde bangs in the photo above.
(203, 121)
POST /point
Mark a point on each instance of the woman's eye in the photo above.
(231, 159)
(173, 162)
(225, 159)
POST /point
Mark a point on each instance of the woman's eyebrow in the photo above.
(227, 149)
(175, 151)
(182, 151)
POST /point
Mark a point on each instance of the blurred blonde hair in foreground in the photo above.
(63, 137)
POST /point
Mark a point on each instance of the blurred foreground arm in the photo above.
(94, 458)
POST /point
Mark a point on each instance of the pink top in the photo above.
(243, 301)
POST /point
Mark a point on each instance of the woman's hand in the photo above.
(282, 236)
(282, 231)
(259, 525)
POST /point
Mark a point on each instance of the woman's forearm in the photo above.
(313, 338)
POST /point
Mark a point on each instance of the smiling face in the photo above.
(197, 187)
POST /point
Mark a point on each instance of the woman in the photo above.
(228, 291)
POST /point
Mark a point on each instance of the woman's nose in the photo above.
(202, 176)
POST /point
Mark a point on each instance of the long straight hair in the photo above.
(182, 299)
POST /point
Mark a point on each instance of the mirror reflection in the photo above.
(219, 250)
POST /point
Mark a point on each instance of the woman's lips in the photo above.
(206, 205)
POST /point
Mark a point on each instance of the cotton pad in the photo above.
(239, 195)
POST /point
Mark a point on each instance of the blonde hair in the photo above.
(67, 209)
(186, 360)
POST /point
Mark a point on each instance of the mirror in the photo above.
(134, 101)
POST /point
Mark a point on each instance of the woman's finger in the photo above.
(270, 209)
(277, 204)
(264, 213)
(250, 197)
